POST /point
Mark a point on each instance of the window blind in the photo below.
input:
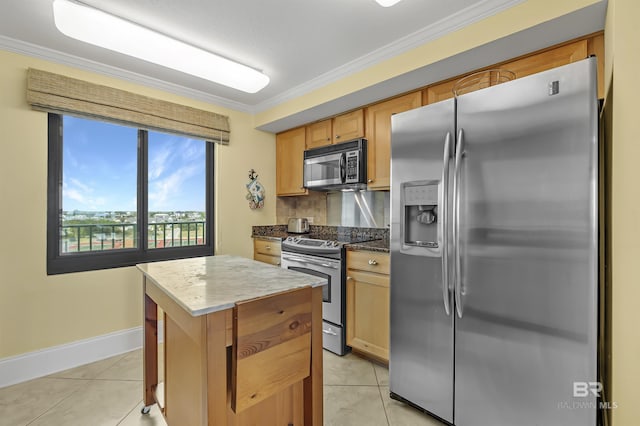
(60, 94)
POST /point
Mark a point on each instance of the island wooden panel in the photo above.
(272, 346)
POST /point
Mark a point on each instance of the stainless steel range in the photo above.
(323, 258)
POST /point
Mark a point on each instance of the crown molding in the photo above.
(33, 50)
(438, 29)
(449, 24)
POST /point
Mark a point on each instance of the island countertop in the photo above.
(202, 285)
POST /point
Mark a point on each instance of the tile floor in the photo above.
(109, 393)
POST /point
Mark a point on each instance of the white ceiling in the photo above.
(294, 42)
(300, 44)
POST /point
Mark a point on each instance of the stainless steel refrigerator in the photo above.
(494, 253)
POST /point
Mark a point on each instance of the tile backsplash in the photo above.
(312, 206)
(368, 209)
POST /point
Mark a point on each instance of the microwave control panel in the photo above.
(352, 166)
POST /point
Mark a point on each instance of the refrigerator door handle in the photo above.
(444, 221)
(456, 223)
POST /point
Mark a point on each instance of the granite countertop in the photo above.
(202, 285)
(381, 246)
(379, 237)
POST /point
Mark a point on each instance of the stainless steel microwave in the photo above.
(338, 166)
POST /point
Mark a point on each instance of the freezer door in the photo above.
(526, 341)
(421, 333)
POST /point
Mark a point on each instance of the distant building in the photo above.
(160, 217)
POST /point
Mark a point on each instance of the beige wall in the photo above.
(38, 311)
(622, 36)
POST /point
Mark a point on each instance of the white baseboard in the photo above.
(47, 361)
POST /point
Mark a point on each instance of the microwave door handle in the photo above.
(343, 167)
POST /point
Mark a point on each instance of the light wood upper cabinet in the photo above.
(378, 134)
(290, 146)
(543, 61)
(368, 303)
(528, 65)
(319, 134)
(595, 46)
(348, 126)
(445, 90)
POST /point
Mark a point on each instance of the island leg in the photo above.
(150, 350)
(313, 384)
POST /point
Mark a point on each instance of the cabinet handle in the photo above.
(328, 139)
(369, 180)
(267, 247)
(349, 278)
(337, 136)
(279, 264)
(373, 262)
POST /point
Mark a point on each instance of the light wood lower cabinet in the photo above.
(267, 251)
(368, 303)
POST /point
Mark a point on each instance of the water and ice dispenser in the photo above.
(420, 221)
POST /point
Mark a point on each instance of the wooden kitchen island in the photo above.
(242, 342)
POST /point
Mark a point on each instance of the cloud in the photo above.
(159, 162)
(171, 186)
(80, 185)
(75, 190)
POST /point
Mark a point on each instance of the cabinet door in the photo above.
(595, 46)
(348, 126)
(532, 64)
(318, 134)
(543, 61)
(441, 91)
(290, 147)
(368, 313)
(378, 134)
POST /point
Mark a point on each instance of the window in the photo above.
(118, 195)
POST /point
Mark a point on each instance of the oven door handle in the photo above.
(308, 262)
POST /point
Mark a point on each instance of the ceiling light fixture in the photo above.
(102, 29)
(387, 3)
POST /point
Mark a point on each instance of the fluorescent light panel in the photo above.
(387, 3)
(102, 29)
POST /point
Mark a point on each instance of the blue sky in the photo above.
(100, 166)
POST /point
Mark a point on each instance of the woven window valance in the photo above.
(64, 95)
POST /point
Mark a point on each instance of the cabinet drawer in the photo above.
(370, 261)
(273, 260)
(268, 247)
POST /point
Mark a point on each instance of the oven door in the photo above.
(325, 268)
(325, 170)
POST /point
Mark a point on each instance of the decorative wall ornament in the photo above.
(255, 191)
